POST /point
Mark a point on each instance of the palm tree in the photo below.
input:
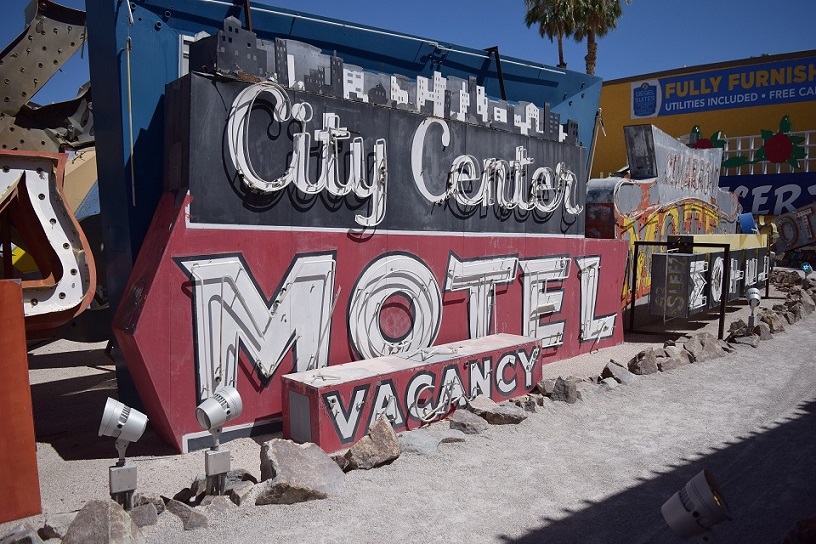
(594, 18)
(555, 19)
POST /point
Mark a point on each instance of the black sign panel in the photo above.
(418, 152)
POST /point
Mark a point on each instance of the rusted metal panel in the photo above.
(19, 482)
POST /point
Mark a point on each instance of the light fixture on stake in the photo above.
(753, 297)
(807, 269)
(224, 405)
(126, 425)
(696, 508)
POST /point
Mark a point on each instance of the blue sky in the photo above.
(652, 35)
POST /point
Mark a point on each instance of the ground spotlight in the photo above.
(697, 507)
(807, 269)
(223, 406)
(754, 298)
(126, 425)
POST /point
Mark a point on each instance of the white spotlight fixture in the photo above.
(807, 269)
(126, 425)
(697, 507)
(753, 297)
(223, 406)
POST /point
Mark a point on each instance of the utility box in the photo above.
(335, 406)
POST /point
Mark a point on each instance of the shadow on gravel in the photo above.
(768, 479)
(67, 414)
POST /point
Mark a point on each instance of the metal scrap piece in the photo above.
(54, 34)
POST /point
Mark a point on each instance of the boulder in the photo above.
(752, 340)
(468, 422)
(426, 441)
(144, 514)
(239, 493)
(496, 414)
(680, 354)
(808, 306)
(773, 321)
(152, 498)
(584, 390)
(703, 346)
(296, 473)
(609, 383)
(789, 317)
(217, 505)
(566, 390)
(643, 363)
(728, 348)
(738, 328)
(538, 398)
(379, 447)
(102, 521)
(621, 374)
(190, 517)
(664, 364)
(545, 387)
(763, 331)
(525, 402)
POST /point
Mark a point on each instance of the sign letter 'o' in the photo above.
(395, 274)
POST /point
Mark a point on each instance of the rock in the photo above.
(153, 498)
(703, 346)
(789, 317)
(525, 402)
(190, 518)
(780, 308)
(56, 525)
(678, 353)
(728, 348)
(102, 521)
(468, 422)
(669, 343)
(752, 340)
(808, 306)
(144, 514)
(798, 311)
(621, 374)
(545, 387)
(426, 441)
(738, 328)
(379, 447)
(773, 321)
(496, 414)
(584, 390)
(239, 493)
(643, 363)
(610, 383)
(342, 462)
(763, 331)
(537, 398)
(664, 364)
(296, 473)
(21, 535)
(565, 390)
(218, 505)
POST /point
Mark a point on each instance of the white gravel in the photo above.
(596, 471)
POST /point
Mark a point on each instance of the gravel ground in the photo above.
(596, 471)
